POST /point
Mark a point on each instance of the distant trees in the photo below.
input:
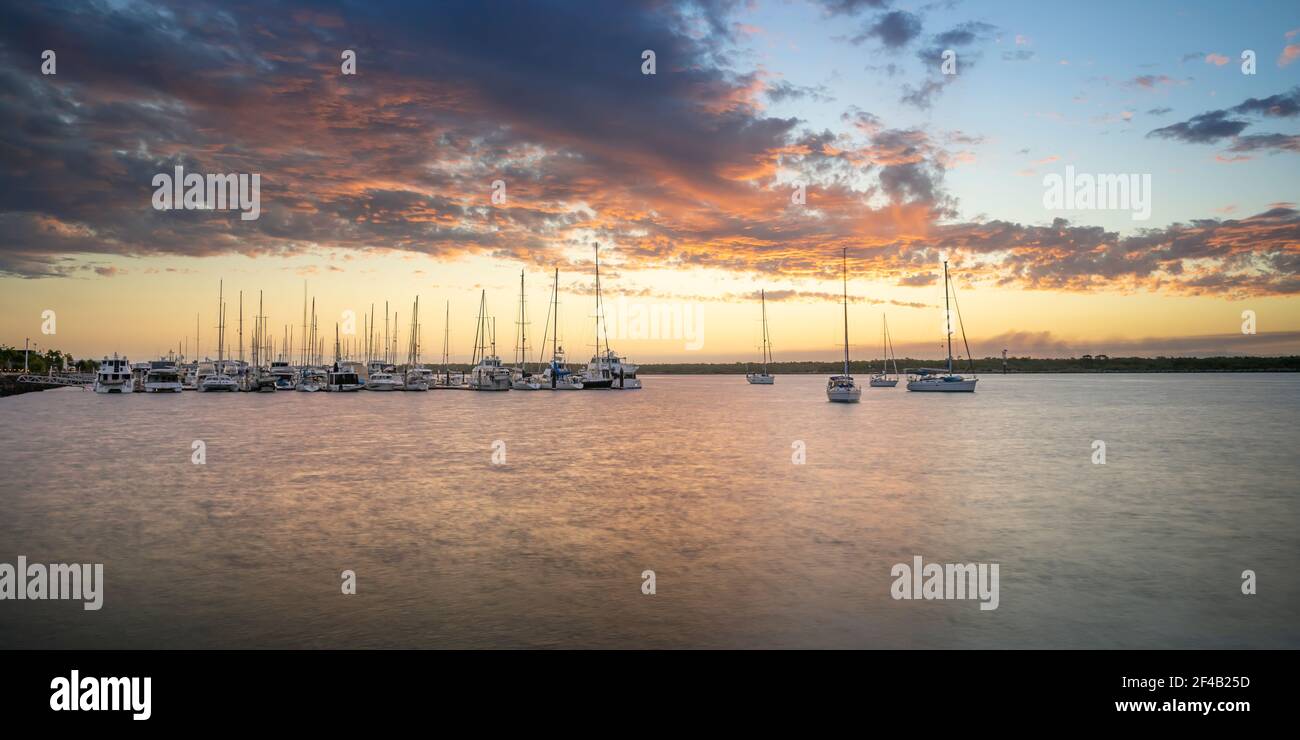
(11, 358)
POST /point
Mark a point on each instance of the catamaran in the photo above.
(943, 380)
(764, 377)
(488, 373)
(883, 379)
(114, 376)
(841, 388)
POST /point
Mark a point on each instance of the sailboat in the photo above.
(219, 379)
(522, 380)
(557, 376)
(444, 380)
(943, 380)
(312, 378)
(488, 373)
(841, 388)
(763, 378)
(418, 377)
(600, 372)
(883, 379)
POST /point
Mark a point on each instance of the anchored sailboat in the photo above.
(943, 380)
(841, 388)
(764, 377)
(883, 379)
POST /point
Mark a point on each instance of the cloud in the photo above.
(1217, 60)
(894, 29)
(1290, 53)
(1159, 111)
(1212, 126)
(1205, 128)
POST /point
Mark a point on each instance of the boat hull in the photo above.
(936, 385)
(883, 383)
(161, 386)
(844, 395)
(760, 379)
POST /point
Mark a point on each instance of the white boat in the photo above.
(841, 388)
(218, 379)
(621, 372)
(599, 373)
(310, 380)
(417, 377)
(163, 376)
(216, 376)
(343, 379)
(383, 381)
(284, 375)
(943, 380)
(883, 379)
(764, 377)
(114, 376)
(557, 376)
(488, 374)
(139, 371)
(521, 378)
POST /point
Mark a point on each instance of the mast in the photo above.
(762, 296)
(521, 348)
(947, 315)
(241, 326)
(221, 318)
(303, 359)
(446, 344)
(845, 268)
(555, 335)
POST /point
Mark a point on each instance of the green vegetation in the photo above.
(993, 365)
(11, 360)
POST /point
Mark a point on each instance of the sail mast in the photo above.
(762, 296)
(845, 269)
(947, 315)
(555, 338)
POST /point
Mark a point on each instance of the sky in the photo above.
(918, 131)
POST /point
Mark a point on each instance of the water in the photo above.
(692, 478)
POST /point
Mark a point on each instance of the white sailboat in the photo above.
(488, 373)
(418, 377)
(841, 388)
(219, 379)
(521, 378)
(557, 376)
(944, 380)
(600, 372)
(764, 377)
(883, 379)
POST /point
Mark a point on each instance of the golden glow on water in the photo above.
(692, 477)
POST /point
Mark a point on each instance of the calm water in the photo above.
(692, 478)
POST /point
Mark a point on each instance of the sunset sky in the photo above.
(378, 186)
